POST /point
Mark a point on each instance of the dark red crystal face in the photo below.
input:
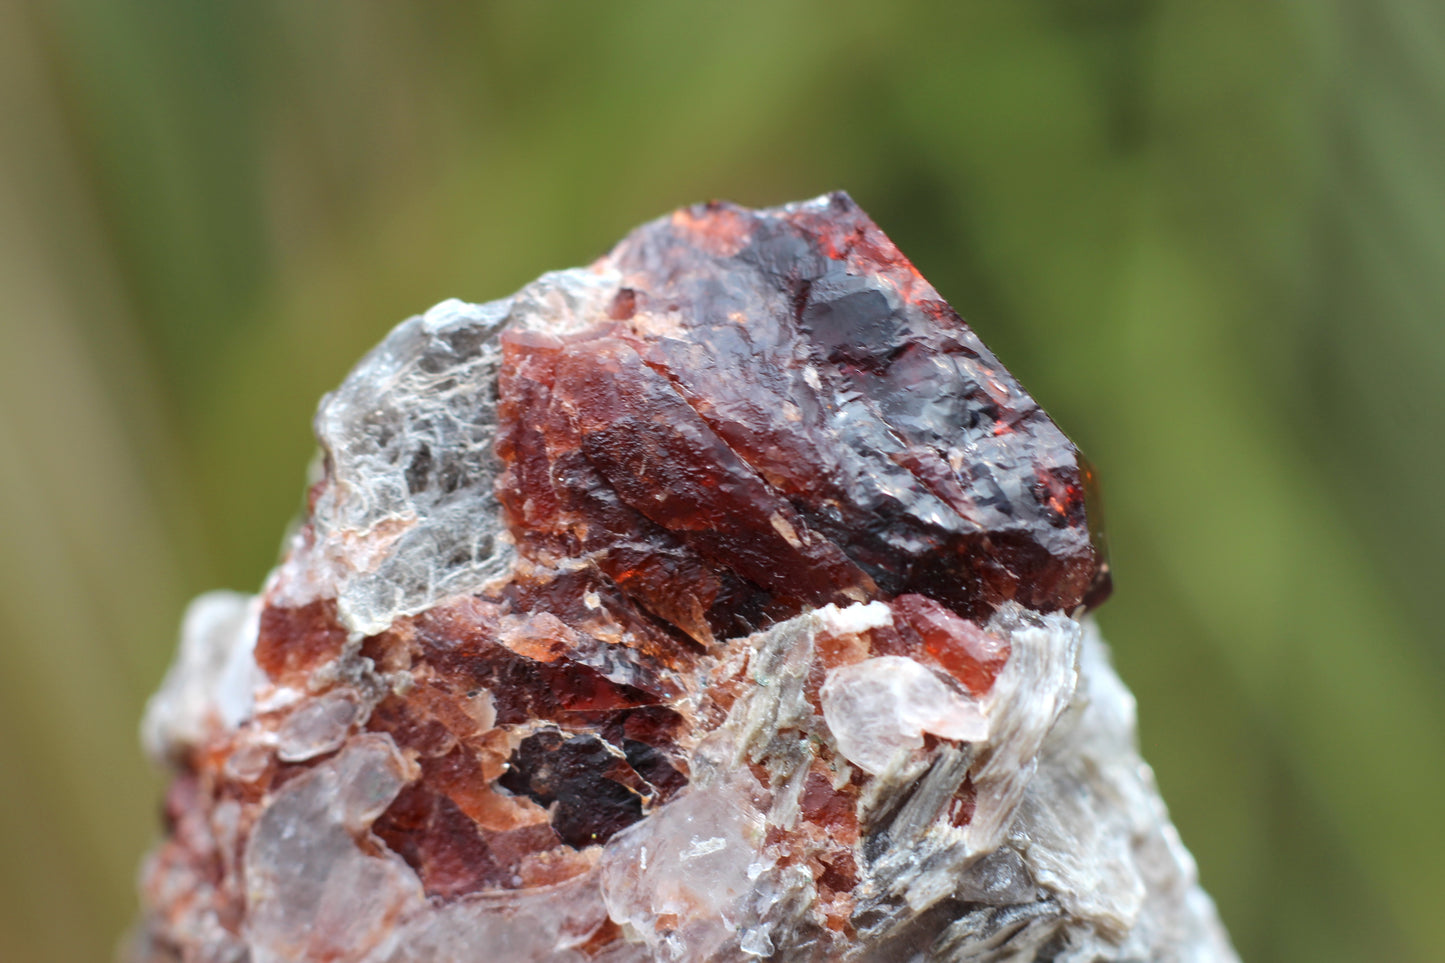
(785, 414)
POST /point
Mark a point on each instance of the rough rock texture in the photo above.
(721, 601)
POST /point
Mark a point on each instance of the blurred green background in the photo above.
(1209, 236)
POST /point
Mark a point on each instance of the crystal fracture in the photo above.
(722, 601)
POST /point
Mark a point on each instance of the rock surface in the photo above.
(722, 601)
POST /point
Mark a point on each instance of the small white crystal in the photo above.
(703, 847)
(248, 760)
(210, 687)
(700, 846)
(881, 707)
(757, 941)
(318, 726)
(855, 618)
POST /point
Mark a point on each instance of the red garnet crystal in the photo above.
(720, 601)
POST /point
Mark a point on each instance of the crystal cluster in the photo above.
(721, 601)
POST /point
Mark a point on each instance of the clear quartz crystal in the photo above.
(880, 707)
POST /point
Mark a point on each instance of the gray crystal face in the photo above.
(516, 693)
(410, 515)
(407, 440)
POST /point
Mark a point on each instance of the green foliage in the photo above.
(1206, 235)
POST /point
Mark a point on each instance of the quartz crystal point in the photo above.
(724, 600)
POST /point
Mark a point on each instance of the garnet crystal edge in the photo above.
(723, 600)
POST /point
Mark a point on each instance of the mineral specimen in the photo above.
(724, 600)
